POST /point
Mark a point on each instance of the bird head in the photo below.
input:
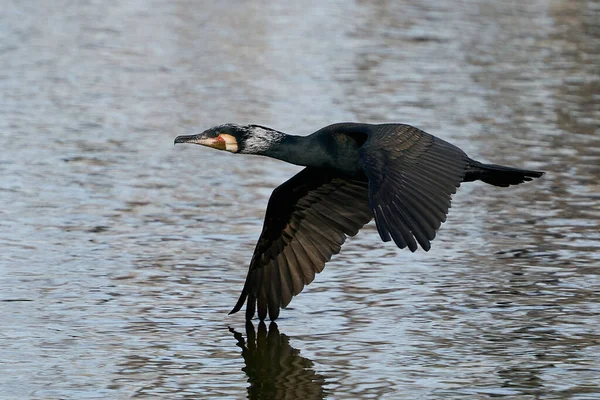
(246, 139)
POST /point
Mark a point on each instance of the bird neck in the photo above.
(299, 150)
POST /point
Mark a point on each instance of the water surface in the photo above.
(122, 254)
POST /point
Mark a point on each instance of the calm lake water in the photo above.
(121, 254)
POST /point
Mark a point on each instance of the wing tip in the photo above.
(233, 311)
(240, 302)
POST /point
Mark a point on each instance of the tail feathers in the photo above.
(499, 175)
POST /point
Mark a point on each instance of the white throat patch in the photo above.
(260, 139)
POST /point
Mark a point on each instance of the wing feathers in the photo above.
(251, 307)
(307, 221)
(262, 307)
(412, 177)
(399, 231)
(313, 257)
(286, 283)
(303, 261)
(295, 272)
(382, 226)
(412, 222)
(274, 293)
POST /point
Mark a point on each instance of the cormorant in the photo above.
(396, 173)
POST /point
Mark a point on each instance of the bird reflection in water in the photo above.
(275, 369)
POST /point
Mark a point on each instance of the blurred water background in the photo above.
(120, 254)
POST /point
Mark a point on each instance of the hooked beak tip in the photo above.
(180, 139)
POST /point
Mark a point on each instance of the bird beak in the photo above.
(214, 142)
(221, 142)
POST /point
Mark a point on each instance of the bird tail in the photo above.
(499, 175)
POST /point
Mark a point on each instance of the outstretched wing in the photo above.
(308, 219)
(412, 176)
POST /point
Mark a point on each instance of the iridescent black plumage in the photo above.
(399, 174)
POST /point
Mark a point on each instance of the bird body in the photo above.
(396, 173)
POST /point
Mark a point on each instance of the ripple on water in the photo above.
(121, 255)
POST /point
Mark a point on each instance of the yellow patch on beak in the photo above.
(229, 142)
(221, 142)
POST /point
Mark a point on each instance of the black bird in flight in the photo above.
(399, 174)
